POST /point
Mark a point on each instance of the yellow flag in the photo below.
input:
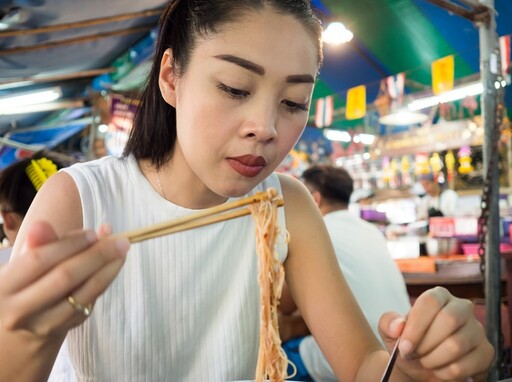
(442, 74)
(356, 102)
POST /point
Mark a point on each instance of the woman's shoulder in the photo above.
(298, 202)
(107, 163)
(292, 188)
(103, 172)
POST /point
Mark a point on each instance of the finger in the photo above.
(472, 364)
(450, 319)
(420, 317)
(36, 261)
(391, 325)
(104, 230)
(455, 346)
(40, 233)
(62, 315)
(69, 275)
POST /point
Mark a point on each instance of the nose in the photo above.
(260, 123)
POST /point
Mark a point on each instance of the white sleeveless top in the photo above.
(185, 307)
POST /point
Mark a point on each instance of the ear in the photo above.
(167, 78)
(317, 197)
(12, 220)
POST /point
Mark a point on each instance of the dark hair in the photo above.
(153, 134)
(334, 183)
(428, 176)
(16, 190)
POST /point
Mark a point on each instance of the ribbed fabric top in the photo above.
(185, 307)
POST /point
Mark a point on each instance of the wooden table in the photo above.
(459, 274)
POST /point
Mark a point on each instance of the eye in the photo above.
(233, 92)
(294, 107)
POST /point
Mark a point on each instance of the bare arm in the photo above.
(57, 203)
(440, 340)
(317, 285)
(52, 258)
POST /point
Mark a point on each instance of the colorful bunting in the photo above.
(505, 57)
(395, 86)
(324, 112)
(443, 74)
(356, 102)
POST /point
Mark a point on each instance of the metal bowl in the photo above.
(442, 246)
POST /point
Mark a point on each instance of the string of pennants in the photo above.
(443, 74)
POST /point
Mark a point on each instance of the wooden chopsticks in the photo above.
(208, 216)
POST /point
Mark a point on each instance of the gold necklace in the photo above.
(160, 184)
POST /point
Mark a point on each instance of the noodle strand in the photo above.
(272, 360)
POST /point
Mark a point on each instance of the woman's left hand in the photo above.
(440, 340)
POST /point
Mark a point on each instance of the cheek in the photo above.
(289, 135)
(199, 122)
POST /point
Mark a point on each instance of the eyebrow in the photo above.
(259, 70)
(300, 78)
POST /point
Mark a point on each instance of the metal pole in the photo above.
(489, 64)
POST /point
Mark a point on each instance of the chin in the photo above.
(239, 188)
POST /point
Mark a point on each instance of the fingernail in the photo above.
(396, 323)
(405, 347)
(106, 229)
(122, 245)
(90, 236)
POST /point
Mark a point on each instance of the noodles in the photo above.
(272, 361)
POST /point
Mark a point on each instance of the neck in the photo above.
(170, 185)
(327, 208)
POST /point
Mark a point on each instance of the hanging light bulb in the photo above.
(336, 33)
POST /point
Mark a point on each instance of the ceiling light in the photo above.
(449, 96)
(41, 107)
(103, 128)
(25, 99)
(403, 117)
(336, 33)
(337, 135)
(365, 139)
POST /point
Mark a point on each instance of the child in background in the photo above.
(226, 100)
(18, 189)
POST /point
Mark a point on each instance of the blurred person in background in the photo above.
(5, 249)
(362, 254)
(437, 200)
(18, 189)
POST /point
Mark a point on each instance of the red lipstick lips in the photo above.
(247, 165)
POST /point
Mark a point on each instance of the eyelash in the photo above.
(234, 93)
(295, 107)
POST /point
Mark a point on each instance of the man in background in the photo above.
(438, 200)
(361, 250)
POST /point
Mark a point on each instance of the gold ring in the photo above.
(77, 307)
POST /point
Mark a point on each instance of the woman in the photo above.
(226, 100)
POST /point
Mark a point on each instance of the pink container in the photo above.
(472, 248)
(453, 226)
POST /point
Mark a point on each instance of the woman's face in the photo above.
(242, 103)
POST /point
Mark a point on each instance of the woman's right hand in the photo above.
(34, 286)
